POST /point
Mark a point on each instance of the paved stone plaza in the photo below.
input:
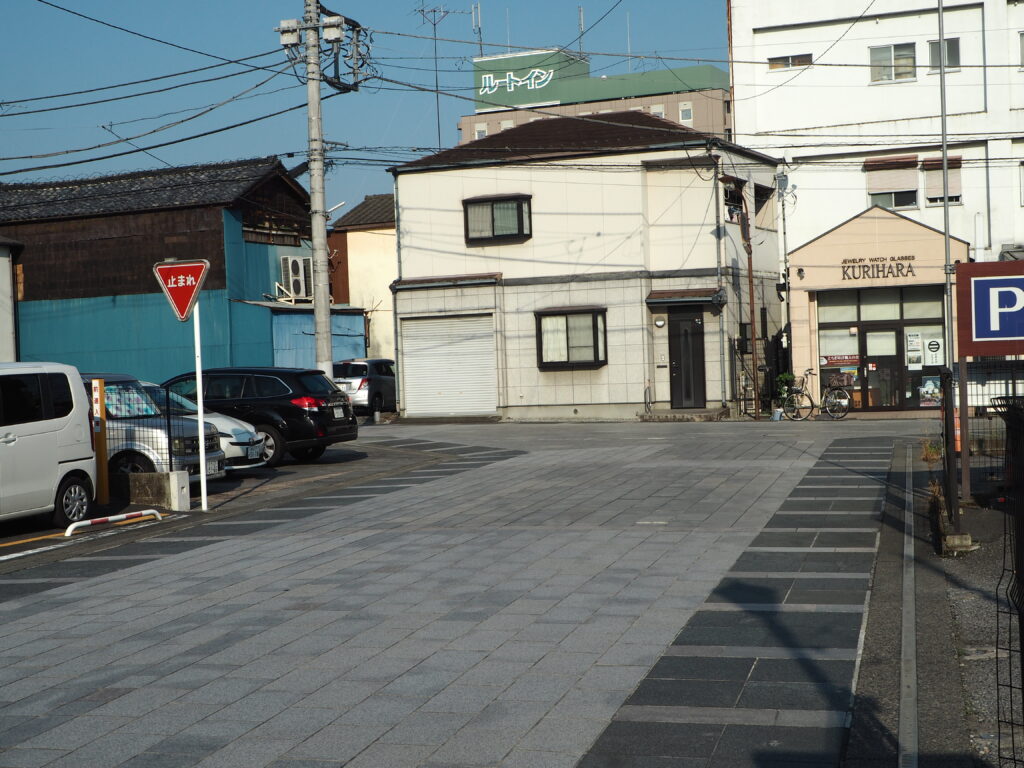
(544, 595)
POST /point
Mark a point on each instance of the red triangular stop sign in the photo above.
(181, 281)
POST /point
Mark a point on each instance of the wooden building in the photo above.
(84, 287)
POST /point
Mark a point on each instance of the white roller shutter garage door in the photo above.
(449, 366)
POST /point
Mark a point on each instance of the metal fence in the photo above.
(983, 432)
(1010, 591)
(150, 429)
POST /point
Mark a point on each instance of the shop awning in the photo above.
(686, 296)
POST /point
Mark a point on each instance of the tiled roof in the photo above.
(183, 187)
(562, 136)
(375, 209)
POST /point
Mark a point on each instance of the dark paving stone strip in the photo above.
(817, 520)
(770, 660)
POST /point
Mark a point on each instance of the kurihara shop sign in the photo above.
(990, 308)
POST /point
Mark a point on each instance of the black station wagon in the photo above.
(298, 410)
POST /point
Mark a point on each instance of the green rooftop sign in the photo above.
(559, 77)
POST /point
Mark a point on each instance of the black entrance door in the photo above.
(882, 371)
(686, 359)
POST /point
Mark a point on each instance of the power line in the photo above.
(128, 95)
(7, 102)
(832, 45)
(689, 59)
(128, 140)
(150, 37)
(165, 143)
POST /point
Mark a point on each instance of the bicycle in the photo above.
(799, 404)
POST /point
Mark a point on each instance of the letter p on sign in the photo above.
(998, 308)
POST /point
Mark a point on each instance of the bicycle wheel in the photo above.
(836, 403)
(797, 406)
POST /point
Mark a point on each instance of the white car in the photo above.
(242, 446)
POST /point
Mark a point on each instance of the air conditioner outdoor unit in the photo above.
(297, 277)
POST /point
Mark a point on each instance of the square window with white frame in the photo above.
(952, 54)
(686, 113)
(497, 219)
(891, 63)
(571, 338)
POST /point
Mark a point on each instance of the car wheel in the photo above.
(273, 445)
(130, 462)
(71, 503)
(308, 454)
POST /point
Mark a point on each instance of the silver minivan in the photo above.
(47, 461)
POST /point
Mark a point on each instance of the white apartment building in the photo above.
(848, 93)
(572, 268)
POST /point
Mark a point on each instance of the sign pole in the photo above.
(199, 405)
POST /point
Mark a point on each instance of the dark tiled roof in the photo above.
(562, 136)
(184, 187)
(375, 209)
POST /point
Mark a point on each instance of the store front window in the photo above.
(884, 345)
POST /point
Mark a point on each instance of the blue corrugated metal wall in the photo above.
(295, 344)
(122, 334)
(140, 335)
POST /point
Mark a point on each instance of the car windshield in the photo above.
(316, 384)
(349, 370)
(179, 405)
(128, 400)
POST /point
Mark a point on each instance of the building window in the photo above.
(501, 219)
(932, 167)
(686, 113)
(506, 124)
(892, 181)
(1021, 34)
(893, 62)
(788, 62)
(571, 338)
(895, 200)
(658, 110)
(952, 54)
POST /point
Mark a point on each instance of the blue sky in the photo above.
(49, 51)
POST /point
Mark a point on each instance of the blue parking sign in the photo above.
(997, 308)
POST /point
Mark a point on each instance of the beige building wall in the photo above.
(372, 267)
(876, 249)
(704, 111)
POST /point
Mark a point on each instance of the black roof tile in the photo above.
(181, 187)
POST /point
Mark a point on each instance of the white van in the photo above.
(47, 460)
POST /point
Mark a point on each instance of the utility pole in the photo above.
(333, 32)
(317, 207)
(754, 338)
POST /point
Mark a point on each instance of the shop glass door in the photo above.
(882, 368)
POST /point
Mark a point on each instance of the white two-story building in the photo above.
(571, 267)
(849, 95)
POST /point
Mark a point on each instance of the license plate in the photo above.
(347, 386)
(253, 451)
(339, 412)
(211, 467)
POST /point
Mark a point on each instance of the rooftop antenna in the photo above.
(629, 45)
(508, 32)
(435, 16)
(581, 31)
(478, 25)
